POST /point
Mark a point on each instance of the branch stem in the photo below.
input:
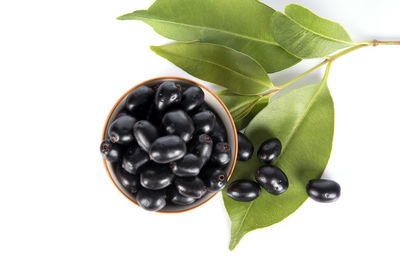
(330, 59)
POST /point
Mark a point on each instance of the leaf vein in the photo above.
(211, 29)
(227, 68)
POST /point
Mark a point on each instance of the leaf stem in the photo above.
(302, 75)
(330, 59)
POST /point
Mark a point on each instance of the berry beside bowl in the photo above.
(169, 144)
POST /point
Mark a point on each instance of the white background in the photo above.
(63, 64)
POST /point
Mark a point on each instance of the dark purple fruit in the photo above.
(179, 123)
(120, 130)
(133, 159)
(190, 187)
(272, 179)
(123, 112)
(218, 134)
(167, 149)
(151, 200)
(110, 151)
(192, 98)
(243, 190)
(189, 165)
(155, 176)
(322, 190)
(245, 147)
(128, 180)
(145, 134)
(215, 179)
(269, 150)
(153, 115)
(204, 122)
(221, 155)
(202, 147)
(168, 95)
(140, 97)
(176, 198)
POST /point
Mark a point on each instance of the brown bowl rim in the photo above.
(173, 78)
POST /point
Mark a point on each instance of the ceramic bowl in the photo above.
(215, 104)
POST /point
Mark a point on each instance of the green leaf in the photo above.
(303, 120)
(218, 64)
(307, 35)
(237, 104)
(239, 24)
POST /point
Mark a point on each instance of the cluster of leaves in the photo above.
(236, 43)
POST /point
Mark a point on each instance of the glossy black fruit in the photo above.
(120, 130)
(269, 150)
(323, 190)
(176, 198)
(167, 149)
(215, 179)
(156, 176)
(151, 200)
(145, 134)
(168, 95)
(204, 122)
(123, 112)
(192, 98)
(221, 155)
(133, 159)
(202, 147)
(153, 115)
(190, 187)
(179, 123)
(110, 151)
(272, 179)
(128, 180)
(243, 190)
(140, 97)
(189, 165)
(245, 147)
(218, 134)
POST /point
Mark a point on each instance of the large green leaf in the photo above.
(303, 120)
(307, 35)
(237, 105)
(218, 64)
(239, 24)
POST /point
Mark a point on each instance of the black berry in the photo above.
(156, 176)
(110, 151)
(190, 187)
(215, 179)
(133, 159)
(204, 122)
(323, 190)
(140, 97)
(245, 148)
(179, 123)
(145, 134)
(120, 130)
(243, 190)
(272, 179)
(221, 154)
(202, 147)
(192, 98)
(189, 165)
(167, 149)
(167, 96)
(151, 200)
(269, 150)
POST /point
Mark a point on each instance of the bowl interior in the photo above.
(216, 106)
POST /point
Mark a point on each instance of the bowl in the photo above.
(215, 104)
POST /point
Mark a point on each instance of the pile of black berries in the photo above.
(167, 146)
(271, 178)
